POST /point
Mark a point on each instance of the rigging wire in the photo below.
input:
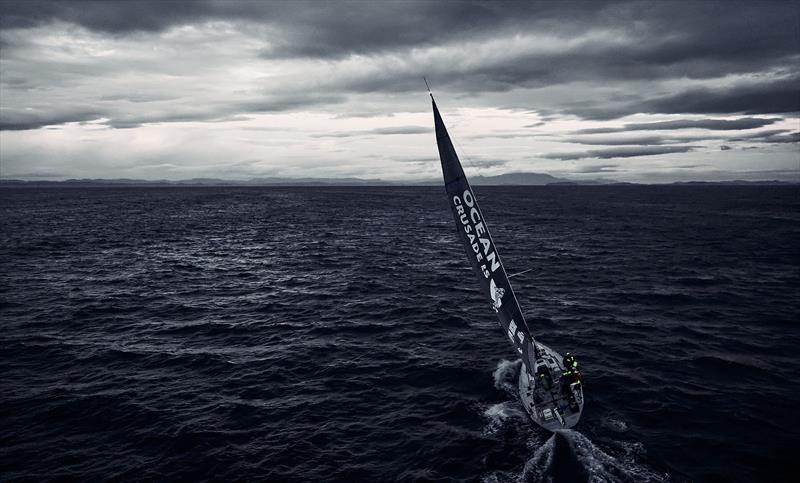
(520, 273)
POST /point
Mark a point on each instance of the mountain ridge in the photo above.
(507, 179)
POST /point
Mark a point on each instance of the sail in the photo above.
(481, 250)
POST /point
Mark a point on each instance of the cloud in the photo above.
(472, 48)
(382, 131)
(621, 152)
(20, 120)
(120, 117)
(623, 141)
(111, 17)
(485, 163)
(183, 85)
(778, 96)
(773, 136)
(710, 124)
(630, 39)
(40, 175)
(286, 102)
(401, 130)
(299, 28)
(505, 135)
(418, 160)
(759, 96)
(597, 168)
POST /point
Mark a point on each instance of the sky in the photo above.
(628, 91)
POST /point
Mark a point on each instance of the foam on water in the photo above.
(572, 447)
(506, 374)
(570, 457)
(497, 415)
(616, 425)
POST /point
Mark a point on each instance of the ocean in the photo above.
(337, 334)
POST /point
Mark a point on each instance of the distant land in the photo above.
(201, 182)
(517, 179)
(508, 179)
(737, 182)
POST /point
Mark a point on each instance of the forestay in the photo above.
(481, 250)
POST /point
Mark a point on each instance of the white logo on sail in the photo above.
(497, 294)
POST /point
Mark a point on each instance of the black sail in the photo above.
(481, 250)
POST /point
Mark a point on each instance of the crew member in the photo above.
(544, 376)
(571, 371)
(570, 375)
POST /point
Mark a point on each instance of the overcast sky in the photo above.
(631, 91)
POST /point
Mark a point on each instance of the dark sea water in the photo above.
(314, 334)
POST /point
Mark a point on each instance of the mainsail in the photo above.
(481, 250)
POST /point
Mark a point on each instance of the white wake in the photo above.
(567, 456)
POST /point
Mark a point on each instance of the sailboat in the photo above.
(550, 386)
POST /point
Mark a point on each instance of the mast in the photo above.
(481, 250)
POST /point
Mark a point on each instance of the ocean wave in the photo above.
(506, 374)
(291, 334)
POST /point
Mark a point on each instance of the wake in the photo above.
(567, 456)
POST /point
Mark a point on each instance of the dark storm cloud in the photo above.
(771, 97)
(763, 97)
(773, 136)
(710, 124)
(589, 42)
(106, 16)
(622, 141)
(304, 28)
(700, 39)
(635, 41)
(697, 41)
(16, 120)
(621, 152)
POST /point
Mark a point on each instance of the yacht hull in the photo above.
(558, 406)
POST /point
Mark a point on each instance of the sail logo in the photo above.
(497, 295)
(512, 330)
(477, 235)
